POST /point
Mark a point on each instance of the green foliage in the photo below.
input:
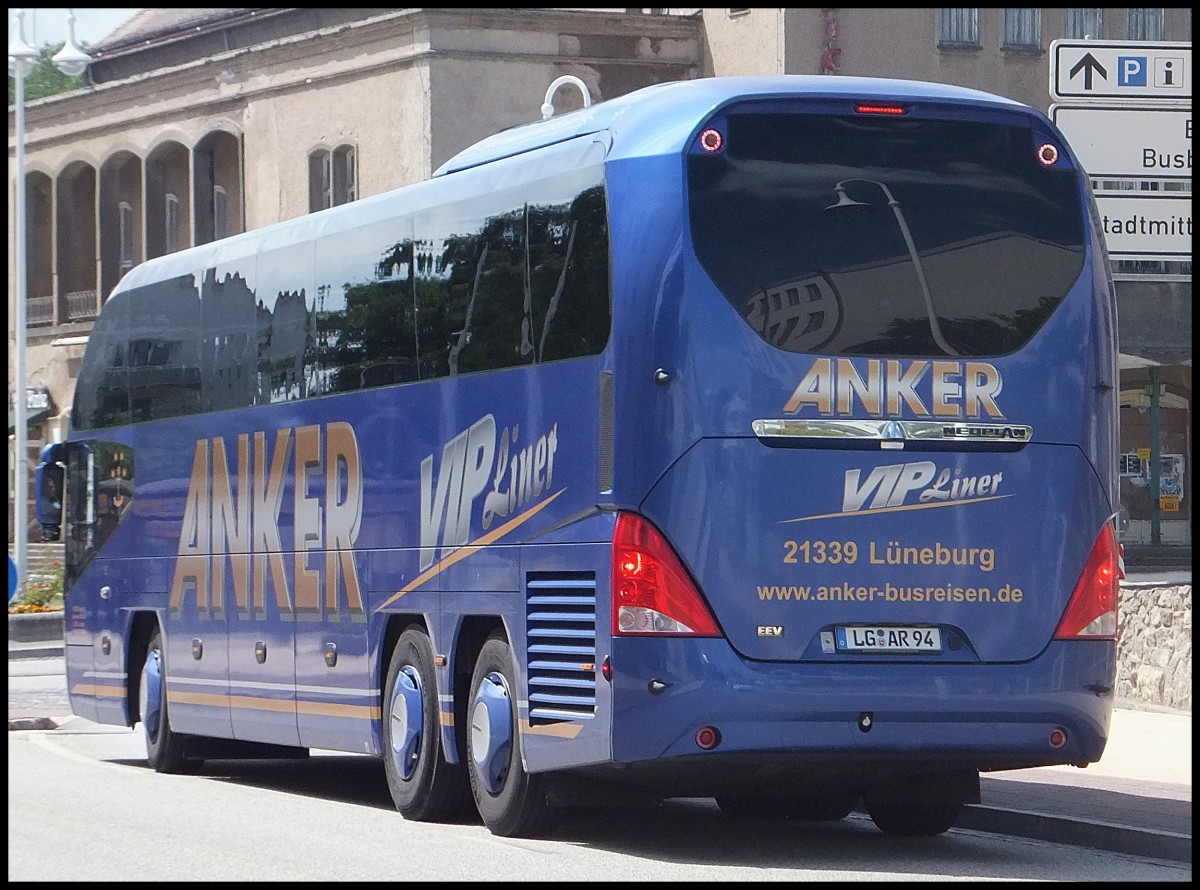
(44, 80)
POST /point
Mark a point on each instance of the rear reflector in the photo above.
(1091, 613)
(653, 594)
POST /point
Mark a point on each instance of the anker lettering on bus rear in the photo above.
(940, 389)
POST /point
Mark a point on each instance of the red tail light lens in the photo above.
(653, 594)
(865, 108)
(1092, 612)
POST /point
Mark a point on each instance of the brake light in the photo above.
(864, 108)
(1091, 613)
(652, 592)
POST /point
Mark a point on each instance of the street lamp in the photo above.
(22, 57)
(846, 202)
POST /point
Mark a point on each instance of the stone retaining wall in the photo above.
(1155, 644)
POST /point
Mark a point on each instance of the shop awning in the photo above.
(31, 417)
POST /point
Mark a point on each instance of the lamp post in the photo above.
(22, 57)
(845, 201)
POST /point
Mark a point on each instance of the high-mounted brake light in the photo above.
(864, 108)
(1047, 153)
(711, 140)
(1091, 613)
(652, 593)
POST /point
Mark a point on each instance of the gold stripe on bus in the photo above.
(901, 508)
(467, 549)
(558, 730)
(98, 691)
(275, 705)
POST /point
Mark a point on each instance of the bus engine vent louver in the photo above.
(561, 636)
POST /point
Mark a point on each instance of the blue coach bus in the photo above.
(747, 438)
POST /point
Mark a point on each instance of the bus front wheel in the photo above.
(424, 786)
(511, 801)
(164, 748)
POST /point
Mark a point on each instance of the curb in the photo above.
(35, 649)
(1077, 833)
(35, 627)
(21, 723)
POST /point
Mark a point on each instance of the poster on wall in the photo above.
(1135, 466)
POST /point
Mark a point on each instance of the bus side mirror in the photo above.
(48, 488)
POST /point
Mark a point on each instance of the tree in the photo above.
(44, 80)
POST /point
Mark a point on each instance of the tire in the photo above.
(913, 819)
(511, 802)
(164, 747)
(424, 786)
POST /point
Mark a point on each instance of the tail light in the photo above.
(653, 594)
(1092, 612)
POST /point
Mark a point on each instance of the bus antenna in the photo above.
(548, 106)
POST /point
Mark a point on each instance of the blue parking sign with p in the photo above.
(1131, 71)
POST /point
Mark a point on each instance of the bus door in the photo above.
(99, 497)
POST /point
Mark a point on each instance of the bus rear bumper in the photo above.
(1055, 709)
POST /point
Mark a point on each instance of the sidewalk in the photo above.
(1137, 799)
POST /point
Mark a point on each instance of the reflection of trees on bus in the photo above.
(511, 293)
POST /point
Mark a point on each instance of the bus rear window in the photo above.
(886, 235)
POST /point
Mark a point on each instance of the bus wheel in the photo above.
(424, 786)
(164, 748)
(923, 819)
(511, 802)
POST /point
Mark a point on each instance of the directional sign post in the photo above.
(1146, 225)
(1120, 70)
(1128, 142)
(1126, 109)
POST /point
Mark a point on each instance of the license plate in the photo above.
(888, 639)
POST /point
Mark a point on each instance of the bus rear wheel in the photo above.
(424, 786)
(511, 802)
(164, 747)
(924, 819)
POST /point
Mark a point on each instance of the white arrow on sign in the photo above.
(1121, 69)
(1140, 226)
(1128, 143)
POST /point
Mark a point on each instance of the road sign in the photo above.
(1123, 69)
(1146, 225)
(1125, 142)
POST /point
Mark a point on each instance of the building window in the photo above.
(345, 181)
(1023, 28)
(332, 177)
(220, 211)
(958, 27)
(172, 223)
(1082, 23)
(1145, 24)
(125, 217)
